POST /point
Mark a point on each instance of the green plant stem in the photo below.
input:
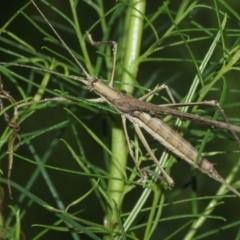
(154, 207)
(134, 28)
(115, 187)
(80, 38)
(133, 37)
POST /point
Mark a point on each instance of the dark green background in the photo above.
(178, 75)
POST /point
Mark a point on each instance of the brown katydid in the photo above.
(143, 115)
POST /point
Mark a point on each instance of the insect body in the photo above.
(142, 115)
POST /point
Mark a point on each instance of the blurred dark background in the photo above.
(178, 75)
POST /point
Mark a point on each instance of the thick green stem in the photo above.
(134, 28)
(132, 38)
